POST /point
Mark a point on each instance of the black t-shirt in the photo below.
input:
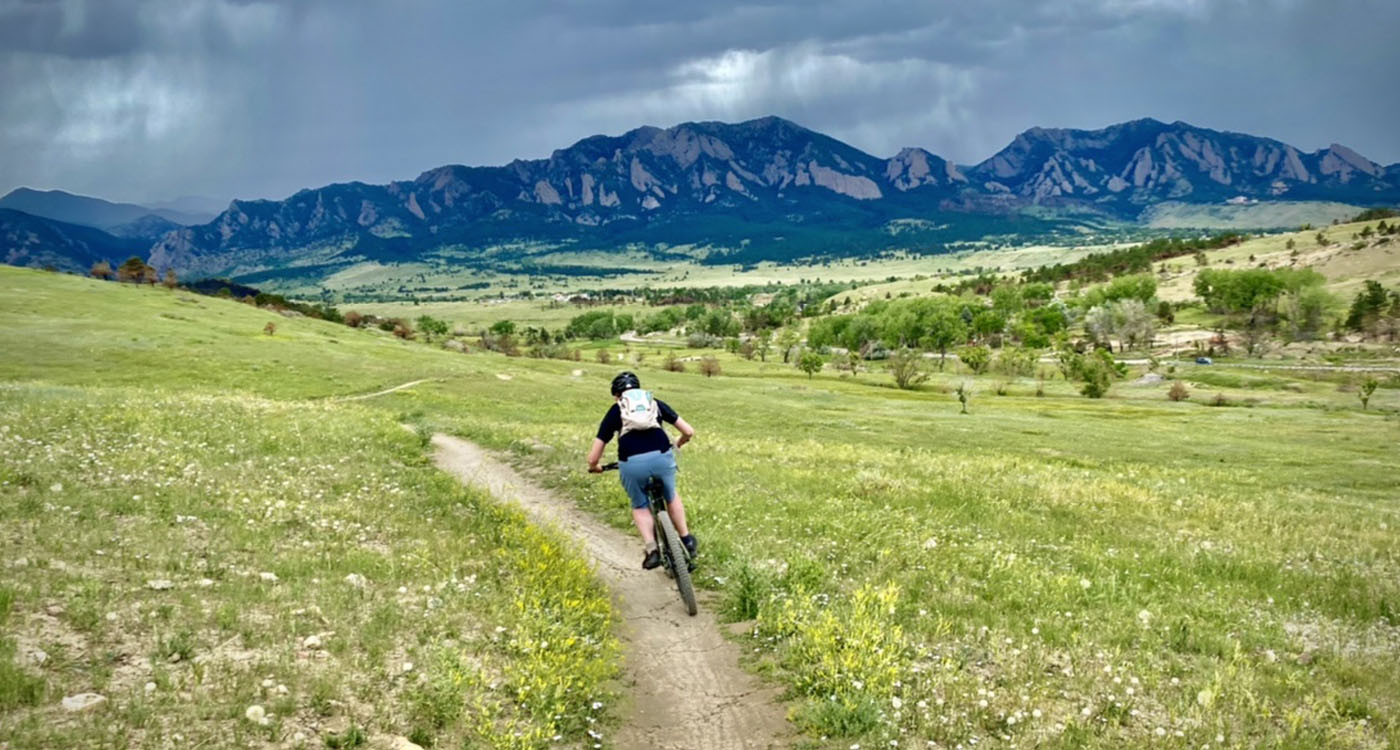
(637, 441)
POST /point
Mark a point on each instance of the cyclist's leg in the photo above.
(666, 472)
(634, 476)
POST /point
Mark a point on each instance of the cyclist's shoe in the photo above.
(690, 545)
(652, 560)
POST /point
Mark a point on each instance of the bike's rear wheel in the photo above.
(680, 567)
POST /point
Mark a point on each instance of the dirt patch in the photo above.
(687, 689)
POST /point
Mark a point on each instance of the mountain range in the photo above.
(766, 189)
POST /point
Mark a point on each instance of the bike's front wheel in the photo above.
(679, 565)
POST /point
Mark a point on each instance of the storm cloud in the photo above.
(151, 99)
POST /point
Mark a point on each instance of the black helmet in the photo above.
(625, 381)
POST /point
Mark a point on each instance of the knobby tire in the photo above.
(679, 565)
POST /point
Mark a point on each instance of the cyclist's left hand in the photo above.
(594, 468)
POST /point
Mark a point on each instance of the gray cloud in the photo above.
(144, 99)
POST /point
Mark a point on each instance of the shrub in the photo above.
(354, 319)
(270, 328)
(603, 356)
(1178, 391)
(1220, 400)
(503, 343)
(1365, 391)
(170, 281)
(403, 331)
(673, 363)
(907, 368)
(702, 340)
(431, 327)
(977, 358)
(964, 393)
(709, 366)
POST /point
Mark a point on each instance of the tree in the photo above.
(170, 281)
(133, 270)
(1096, 371)
(764, 342)
(1098, 323)
(977, 358)
(431, 327)
(1365, 391)
(1301, 312)
(1366, 307)
(787, 339)
(1134, 324)
(943, 328)
(907, 368)
(1164, 312)
(810, 362)
(964, 393)
(101, 270)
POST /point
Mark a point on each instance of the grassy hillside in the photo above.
(1048, 570)
(1344, 265)
(189, 536)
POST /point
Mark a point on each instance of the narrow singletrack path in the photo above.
(399, 387)
(687, 689)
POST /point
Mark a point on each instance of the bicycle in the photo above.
(668, 541)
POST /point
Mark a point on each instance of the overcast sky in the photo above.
(152, 99)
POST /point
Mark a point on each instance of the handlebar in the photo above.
(609, 467)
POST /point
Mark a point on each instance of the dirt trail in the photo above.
(399, 387)
(688, 690)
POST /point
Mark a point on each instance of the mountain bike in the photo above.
(674, 557)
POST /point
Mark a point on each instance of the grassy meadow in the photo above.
(1047, 570)
(232, 562)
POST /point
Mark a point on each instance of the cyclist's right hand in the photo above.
(594, 468)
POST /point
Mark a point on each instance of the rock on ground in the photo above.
(83, 702)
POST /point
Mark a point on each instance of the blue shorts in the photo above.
(636, 470)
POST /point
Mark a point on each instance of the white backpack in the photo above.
(638, 410)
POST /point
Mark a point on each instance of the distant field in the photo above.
(1046, 571)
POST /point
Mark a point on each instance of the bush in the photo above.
(977, 358)
(709, 366)
(1178, 391)
(354, 319)
(810, 362)
(403, 331)
(431, 327)
(908, 369)
(673, 363)
(603, 356)
(702, 340)
(1220, 400)
(270, 328)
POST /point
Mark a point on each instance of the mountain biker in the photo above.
(644, 452)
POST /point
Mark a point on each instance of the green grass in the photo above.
(193, 536)
(1049, 571)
